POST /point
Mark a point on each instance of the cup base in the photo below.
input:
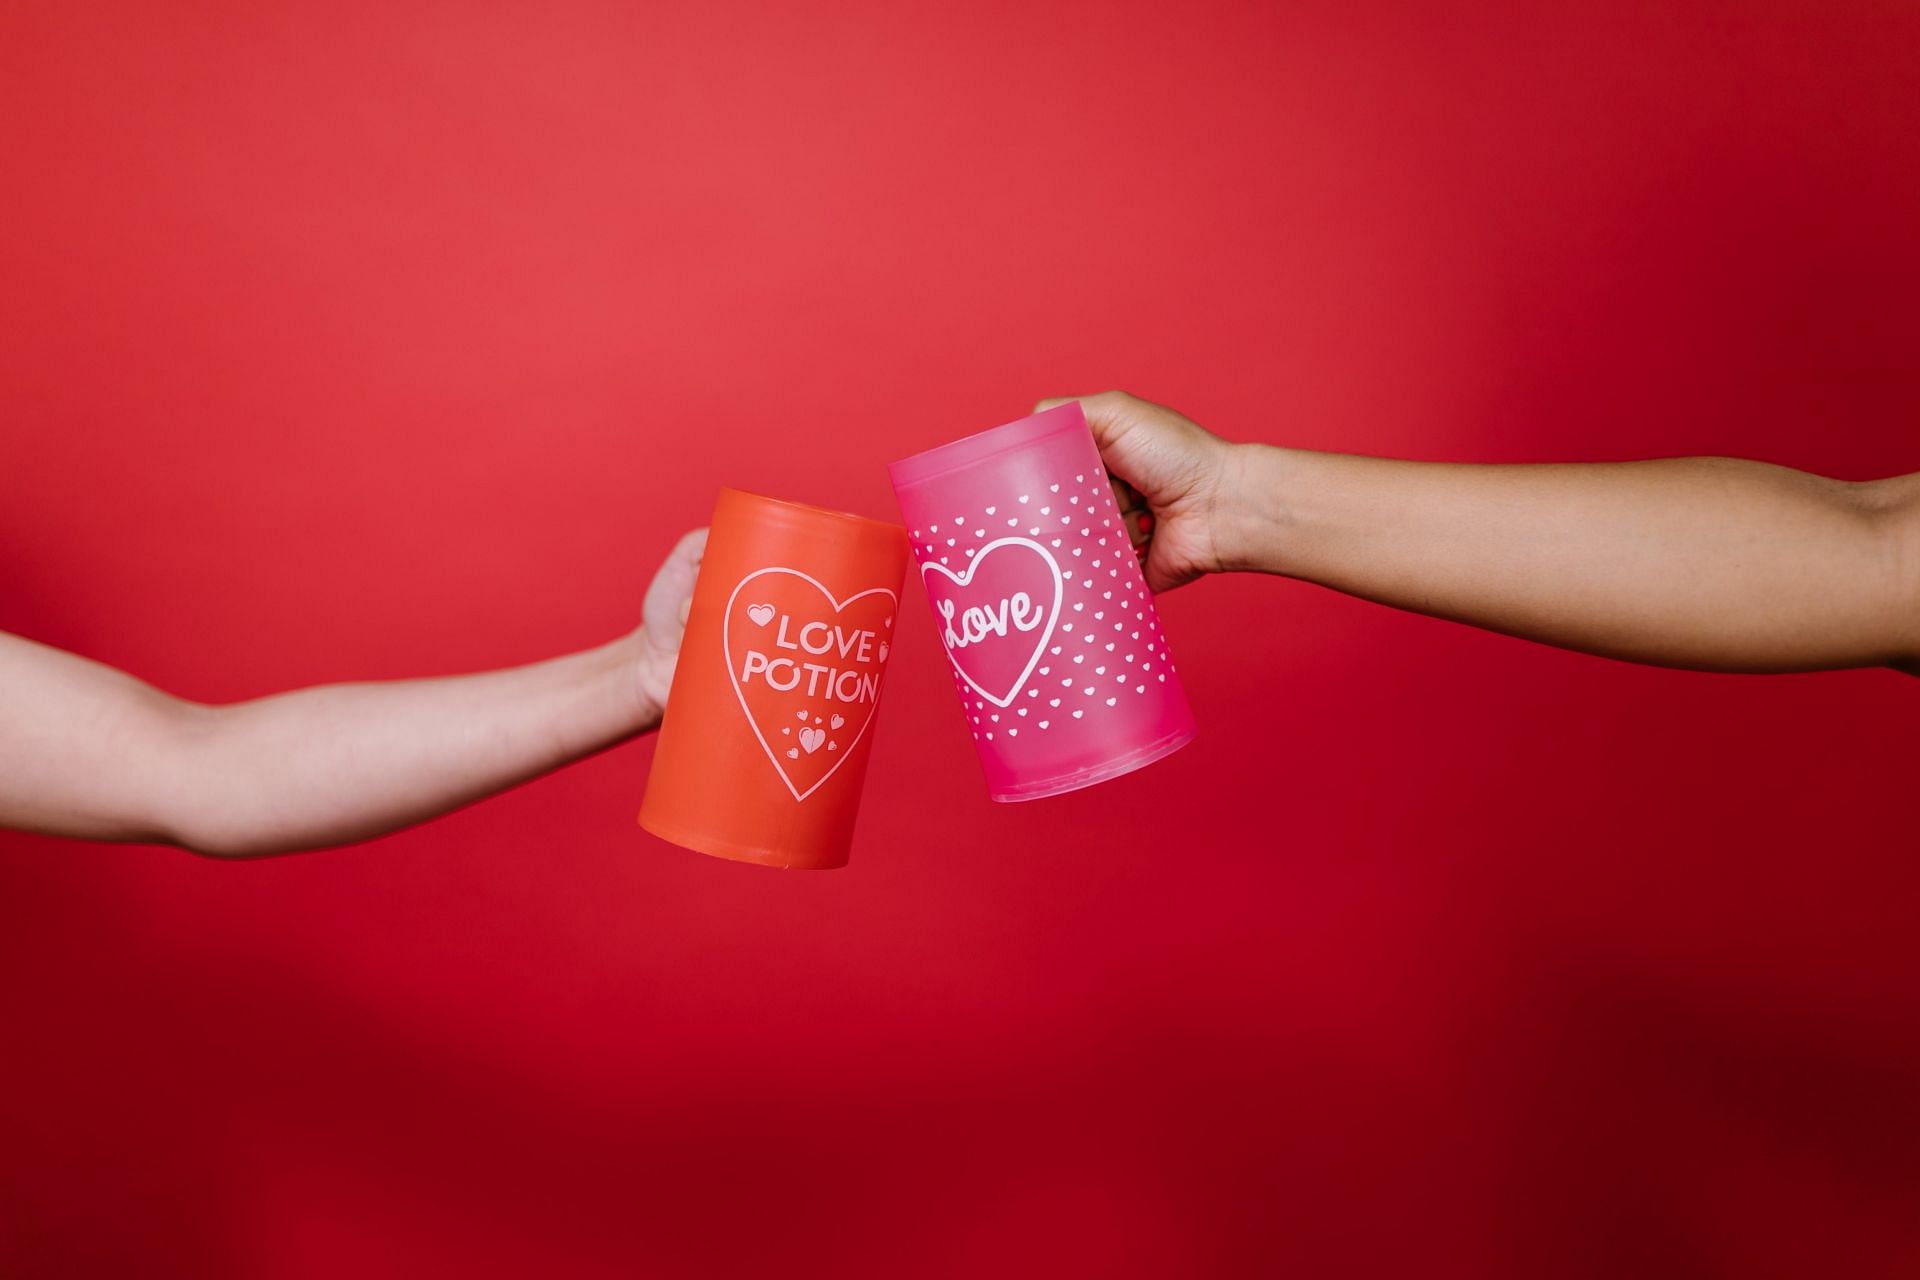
(715, 847)
(1105, 771)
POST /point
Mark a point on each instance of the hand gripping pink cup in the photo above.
(1037, 596)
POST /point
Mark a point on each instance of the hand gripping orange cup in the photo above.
(770, 718)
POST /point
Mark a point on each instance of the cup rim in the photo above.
(811, 510)
(981, 446)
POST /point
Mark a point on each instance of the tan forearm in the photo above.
(1699, 562)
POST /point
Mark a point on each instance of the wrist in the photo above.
(1249, 517)
(640, 681)
(649, 672)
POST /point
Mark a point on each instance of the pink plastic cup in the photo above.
(1038, 598)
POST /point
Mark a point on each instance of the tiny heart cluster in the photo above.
(813, 737)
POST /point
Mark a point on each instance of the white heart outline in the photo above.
(965, 578)
(726, 656)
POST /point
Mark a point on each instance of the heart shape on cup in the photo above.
(996, 616)
(810, 657)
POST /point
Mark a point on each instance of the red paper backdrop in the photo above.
(360, 341)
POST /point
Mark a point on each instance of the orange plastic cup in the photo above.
(770, 719)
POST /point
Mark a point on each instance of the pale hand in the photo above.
(664, 618)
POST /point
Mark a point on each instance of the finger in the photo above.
(686, 610)
(1110, 414)
(1135, 515)
(682, 565)
(691, 547)
(673, 582)
(1158, 578)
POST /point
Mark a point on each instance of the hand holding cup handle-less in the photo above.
(769, 723)
(1038, 598)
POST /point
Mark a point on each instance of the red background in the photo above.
(361, 341)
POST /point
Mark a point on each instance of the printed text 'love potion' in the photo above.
(770, 719)
(1056, 650)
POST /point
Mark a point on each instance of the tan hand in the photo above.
(1176, 464)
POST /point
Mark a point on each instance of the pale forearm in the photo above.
(1707, 563)
(91, 752)
(339, 763)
